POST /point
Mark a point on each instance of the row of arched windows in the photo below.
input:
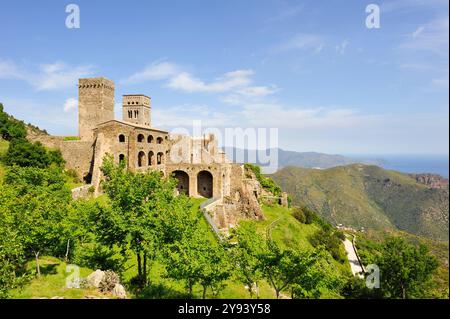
(150, 160)
(141, 139)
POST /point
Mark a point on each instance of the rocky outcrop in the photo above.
(431, 180)
(119, 291)
(106, 282)
(95, 278)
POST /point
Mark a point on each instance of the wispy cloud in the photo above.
(70, 104)
(431, 37)
(231, 80)
(158, 70)
(176, 78)
(53, 76)
(341, 47)
(286, 14)
(308, 42)
(411, 5)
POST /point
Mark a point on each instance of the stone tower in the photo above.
(95, 104)
(136, 109)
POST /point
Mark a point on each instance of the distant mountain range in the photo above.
(292, 158)
(437, 164)
(369, 196)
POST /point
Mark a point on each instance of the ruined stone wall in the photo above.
(77, 154)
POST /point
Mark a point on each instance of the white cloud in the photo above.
(178, 79)
(59, 75)
(188, 83)
(70, 104)
(155, 71)
(257, 91)
(54, 76)
(8, 70)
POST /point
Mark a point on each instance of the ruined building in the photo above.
(200, 166)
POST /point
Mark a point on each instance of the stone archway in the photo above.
(183, 181)
(141, 159)
(205, 184)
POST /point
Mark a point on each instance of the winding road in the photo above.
(357, 269)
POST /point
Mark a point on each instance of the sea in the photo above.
(436, 164)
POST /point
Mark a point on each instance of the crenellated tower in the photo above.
(95, 105)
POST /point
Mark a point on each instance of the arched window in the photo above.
(140, 138)
(122, 138)
(150, 139)
(141, 159)
(130, 113)
(159, 158)
(151, 158)
(159, 140)
(121, 158)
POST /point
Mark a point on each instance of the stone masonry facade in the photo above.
(199, 165)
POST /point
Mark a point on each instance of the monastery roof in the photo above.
(144, 127)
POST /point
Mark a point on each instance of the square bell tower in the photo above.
(136, 109)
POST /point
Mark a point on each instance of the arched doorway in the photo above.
(141, 159)
(183, 182)
(205, 184)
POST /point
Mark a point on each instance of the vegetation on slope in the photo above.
(370, 197)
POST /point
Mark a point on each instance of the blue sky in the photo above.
(309, 68)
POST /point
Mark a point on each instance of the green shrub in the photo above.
(266, 182)
(10, 128)
(299, 215)
(330, 239)
(71, 138)
(25, 154)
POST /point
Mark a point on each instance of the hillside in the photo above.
(371, 197)
(292, 158)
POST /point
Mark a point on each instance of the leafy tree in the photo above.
(39, 209)
(405, 270)
(331, 239)
(25, 154)
(245, 252)
(283, 268)
(318, 275)
(12, 255)
(140, 204)
(214, 267)
(10, 128)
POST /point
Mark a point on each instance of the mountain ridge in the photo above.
(369, 196)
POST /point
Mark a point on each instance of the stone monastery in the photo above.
(200, 166)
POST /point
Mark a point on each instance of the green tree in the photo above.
(10, 128)
(405, 270)
(12, 254)
(283, 268)
(25, 154)
(140, 204)
(39, 209)
(214, 267)
(246, 247)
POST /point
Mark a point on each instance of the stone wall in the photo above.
(77, 154)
